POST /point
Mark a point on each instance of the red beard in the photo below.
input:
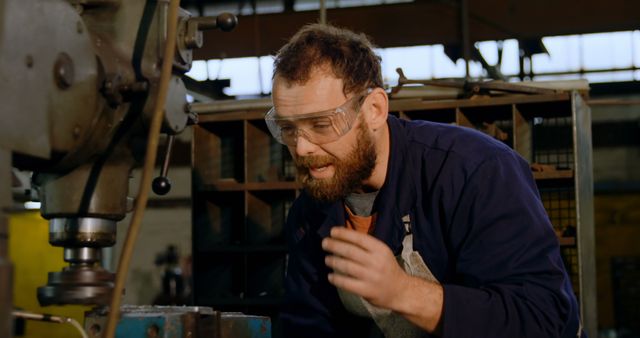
(349, 174)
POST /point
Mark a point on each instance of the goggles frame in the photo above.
(341, 120)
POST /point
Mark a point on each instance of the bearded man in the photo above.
(405, 229)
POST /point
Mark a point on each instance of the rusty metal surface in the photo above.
(179, 322)
(22, 66)
(77, 284)
(48, 70)
(238, 325)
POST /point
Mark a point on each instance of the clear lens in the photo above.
(319, 128)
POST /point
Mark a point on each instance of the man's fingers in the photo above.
(349, 284)
(346, 266)
(365, 241)
(347, 249)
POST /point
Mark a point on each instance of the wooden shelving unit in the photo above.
(243, 187)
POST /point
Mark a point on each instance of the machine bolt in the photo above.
(136, 87)
(63, 71)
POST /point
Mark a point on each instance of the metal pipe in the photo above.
(167, 156)
(464, 29)
(225, 106)
(50, 319)
(580, 72)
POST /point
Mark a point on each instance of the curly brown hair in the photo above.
(349, 55)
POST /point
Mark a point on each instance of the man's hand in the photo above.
(366, 266)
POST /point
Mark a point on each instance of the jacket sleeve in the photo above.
(510, 280)
(312, 307)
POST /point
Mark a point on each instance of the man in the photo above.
(405, 229)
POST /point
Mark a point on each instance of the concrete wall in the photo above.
(167, 221)
(161, 226)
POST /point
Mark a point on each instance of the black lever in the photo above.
(161, 184)
(226, 22)
(193, 35)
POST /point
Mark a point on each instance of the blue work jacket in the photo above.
(477, 222)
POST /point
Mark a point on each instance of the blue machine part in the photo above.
(180, 322)
(165, 325)
(236, 324)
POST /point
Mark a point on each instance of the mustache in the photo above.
(306, 162)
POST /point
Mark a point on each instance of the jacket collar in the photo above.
(395, 199)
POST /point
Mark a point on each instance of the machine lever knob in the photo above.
(226, 22)
(161, 185)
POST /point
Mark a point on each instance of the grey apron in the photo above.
(390, 323)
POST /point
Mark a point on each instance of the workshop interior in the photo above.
(137, 172)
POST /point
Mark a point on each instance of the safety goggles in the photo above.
(319, 127)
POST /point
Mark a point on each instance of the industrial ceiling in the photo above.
(425, 22)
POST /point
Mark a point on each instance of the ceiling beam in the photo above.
(427, 22)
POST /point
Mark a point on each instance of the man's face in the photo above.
(328, 171)
(349, 171)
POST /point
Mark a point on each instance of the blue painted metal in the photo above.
(180, 322)
(143, 325)
(236, 324)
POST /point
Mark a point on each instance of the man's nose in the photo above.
(303, 146)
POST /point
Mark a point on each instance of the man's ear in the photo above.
(377, 104)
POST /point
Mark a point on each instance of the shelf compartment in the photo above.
(219, 155)
(560, 204)
(553, 142)
(266, 215)
(267, 160)
(218, 219)
(495, 121)
(550, 109)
